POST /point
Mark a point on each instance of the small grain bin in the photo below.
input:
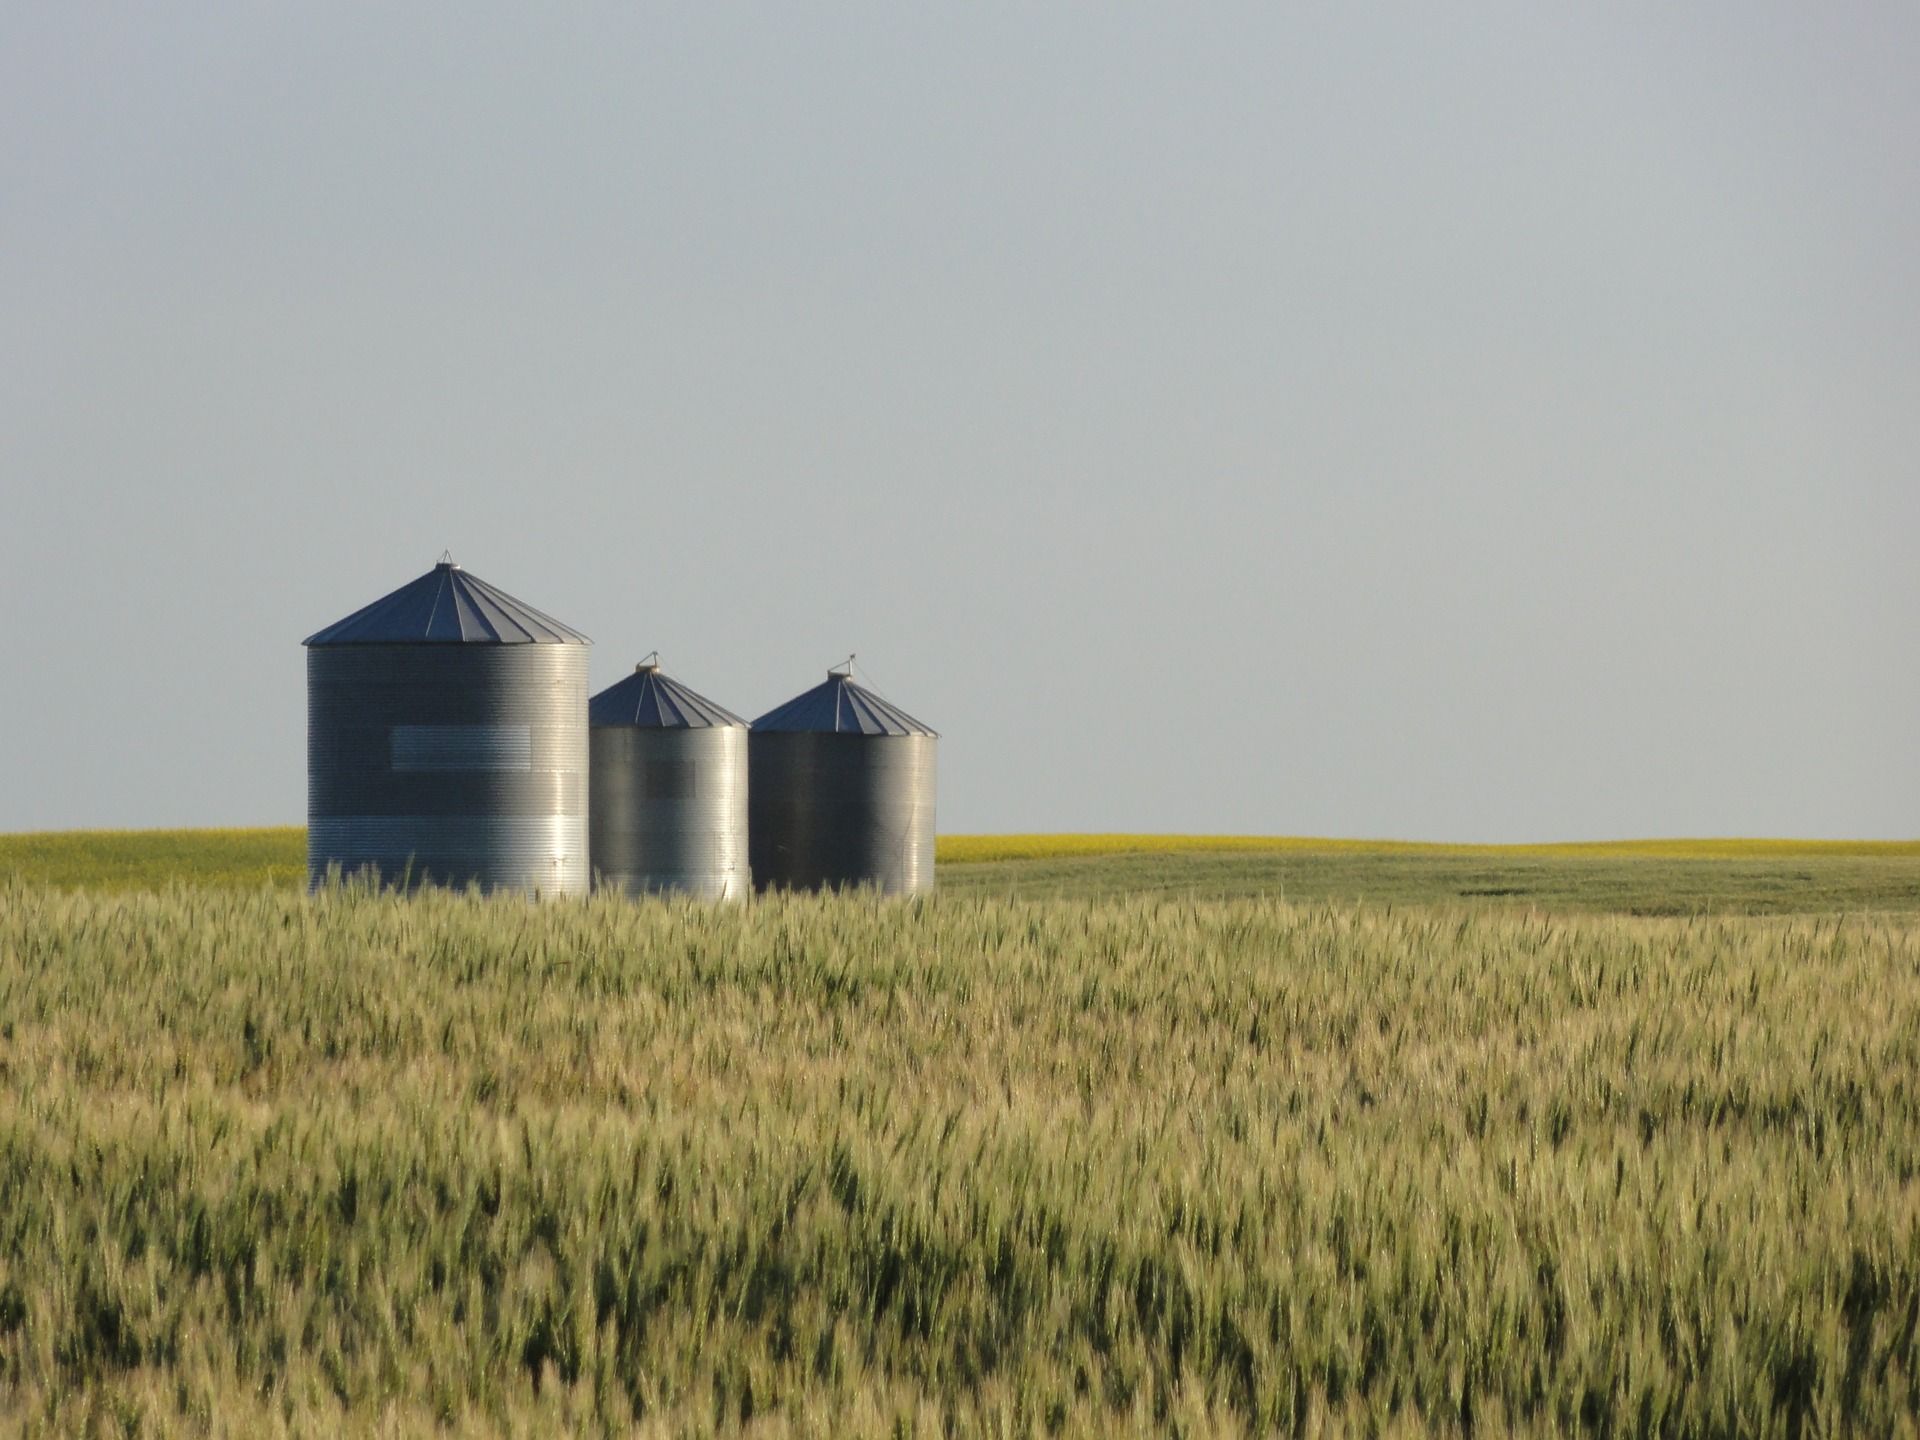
(669, 790)
(842, 793)
(447, 741)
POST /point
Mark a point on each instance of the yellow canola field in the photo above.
(137, 859)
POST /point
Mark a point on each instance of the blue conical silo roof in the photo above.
(840, 707)
(649, 700)
(447, 606)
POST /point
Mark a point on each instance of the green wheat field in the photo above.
(1114, 1135)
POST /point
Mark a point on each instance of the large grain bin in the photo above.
(447, 741)
(669, 790)
(842, 793)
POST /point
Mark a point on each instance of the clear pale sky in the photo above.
(1479, 422)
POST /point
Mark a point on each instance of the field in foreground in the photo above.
(970, 1166)
(1664, 877)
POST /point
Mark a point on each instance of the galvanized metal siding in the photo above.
(831, 811)
(449, 764)
(669, 810)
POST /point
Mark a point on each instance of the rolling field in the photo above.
(150, 859)
(1664, 877)
(1629, 880)
(1186, 1161)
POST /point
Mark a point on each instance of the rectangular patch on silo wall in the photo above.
(670, 780)
(462, 747)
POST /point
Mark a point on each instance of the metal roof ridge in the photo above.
(466, 620)
(495, 609)
(841, 705)
(446, 580)
(446, 605)
(653, 699)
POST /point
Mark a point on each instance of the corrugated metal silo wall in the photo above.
(669, 810)
(827, 811)
(449, 764)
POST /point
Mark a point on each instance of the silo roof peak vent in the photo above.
(448, 606)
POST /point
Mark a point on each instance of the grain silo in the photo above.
(842, 793)
(669, 790)
(447, 741)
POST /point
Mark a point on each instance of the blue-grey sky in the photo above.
(1488, 422)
